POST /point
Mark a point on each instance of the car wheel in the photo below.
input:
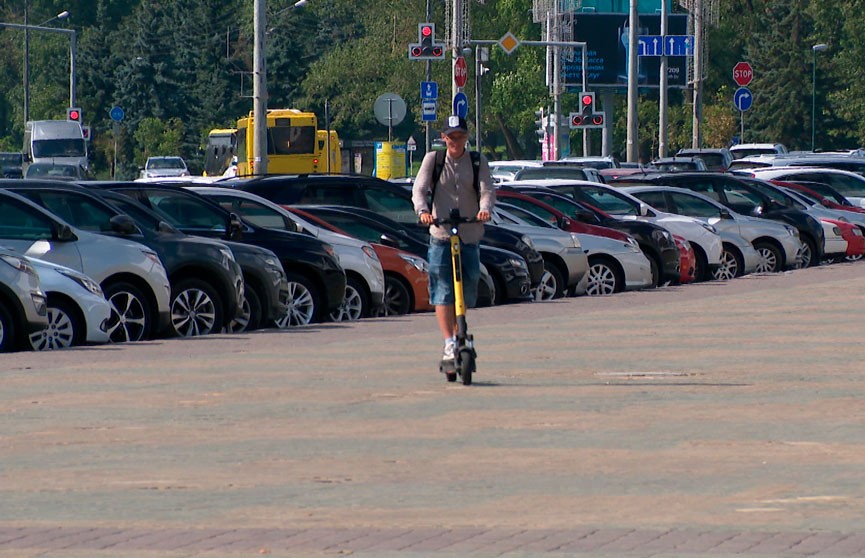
(500, 294)
(809, 253)
(302, 303)
(7, 330)
(855, 258)
(250, 312)
(354, 306)
(770, 258)
(656, 271)
(552, 285)
(65, 328)
(397, 298)
(731, 266)
(195, 308)
(131, 316)
(603, 279)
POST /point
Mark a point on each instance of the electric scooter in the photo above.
(464, 350)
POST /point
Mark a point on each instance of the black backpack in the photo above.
(440, 165)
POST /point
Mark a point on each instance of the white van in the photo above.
(55, 142)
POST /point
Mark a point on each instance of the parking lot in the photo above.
(716, 419)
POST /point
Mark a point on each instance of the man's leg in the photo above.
(445, 314)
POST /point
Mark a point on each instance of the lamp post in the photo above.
(72, 55)
(259, 84)
(814, 50)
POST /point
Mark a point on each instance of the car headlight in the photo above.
(836, 231)
(792, 231)
(151, 255)
(576, 240)
(857, 231)
(85, 282)
(227, 258)
(20, 264)
(370, 252)
(274, 269)
(528, 241)
(632, 242)
(517, 263)
(663, 237)
(710, 228)
(419, 263)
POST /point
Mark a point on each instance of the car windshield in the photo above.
(166, 163)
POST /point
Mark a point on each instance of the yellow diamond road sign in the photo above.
(509, 43)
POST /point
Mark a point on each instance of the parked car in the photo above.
(504, 171)
(508, 269)
(364, 289)
(316, 281)
(734, 191)
(850, 184)
(614, 265)
(852, 162)
(78, 312)
(594, 162)
(206, 280)
(265, 287)
(23, 304)
(823, 194)
(12, 165)
(55, 171)
(766, 236)
(406, 275)
(131, 275)
(678, 164)
(716, 159)
(702, 236)
(741, 150)
(162, 167)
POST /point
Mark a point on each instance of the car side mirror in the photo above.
(123, 224)
(165, 227)
(825, 203)
(388, 241)
(645, 211)
(63, 233)
(725, 214)
(235, 227)
(586, 217)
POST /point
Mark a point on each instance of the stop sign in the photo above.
(461, 71)
(743, 74)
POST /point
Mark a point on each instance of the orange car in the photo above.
(687, 260)
(406, 275)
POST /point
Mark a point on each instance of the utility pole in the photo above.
(697, 132)
(259, 89)
(632, 84)
(662, 89)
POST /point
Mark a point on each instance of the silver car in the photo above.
(130, 274)
(565, 261)
(364, 288)
(78, 312)
(776, 242)
(23, 308)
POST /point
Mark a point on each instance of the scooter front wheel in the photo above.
(466, 366)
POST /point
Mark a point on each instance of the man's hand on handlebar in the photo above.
(483, 216)
(426, 218)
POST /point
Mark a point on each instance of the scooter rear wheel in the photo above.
(466, 366)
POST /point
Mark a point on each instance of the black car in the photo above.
(508, 269)
(206, 281)
(385, 198)
(316, 281)
(264, 296)
(656, 242)
(747, 196)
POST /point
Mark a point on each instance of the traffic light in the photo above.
(74, 114)
(426, 48)
(541, 122)
(587, 117)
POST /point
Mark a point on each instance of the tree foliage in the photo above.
(186, 64)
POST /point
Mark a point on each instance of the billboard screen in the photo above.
(606, 38)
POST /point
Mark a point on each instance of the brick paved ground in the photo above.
(708, 420)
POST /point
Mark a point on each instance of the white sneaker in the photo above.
(448, 353)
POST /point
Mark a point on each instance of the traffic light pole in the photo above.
(428, 127)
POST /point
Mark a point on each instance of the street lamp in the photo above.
(259, 84)
(814, 50)
(72, 54)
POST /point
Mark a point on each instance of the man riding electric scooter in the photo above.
(455, 179)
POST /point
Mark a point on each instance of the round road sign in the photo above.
(461, 72)
(389, 109)
(743, 74)
(116, 114)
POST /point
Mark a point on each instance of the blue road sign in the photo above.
(429, 90)
(678, 45)
(428, 110)
(461, 105)
(742, 99)
(650, 45)
(116, 114)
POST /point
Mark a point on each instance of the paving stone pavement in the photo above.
(721, 419)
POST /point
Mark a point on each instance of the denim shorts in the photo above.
(441, 279)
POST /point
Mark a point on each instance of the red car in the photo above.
(406, 276)
(826, 195)
(853, 235)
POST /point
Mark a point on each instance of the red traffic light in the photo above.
(73, 113)
(587, 99)
(426, 30)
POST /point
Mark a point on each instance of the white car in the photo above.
(703, 237)
(23, 306)
(750, 149)
(850, 184)
(504, 171)
(160, 167)
(130, 274)
(765, 235)
(365, 284)
(78, 312)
